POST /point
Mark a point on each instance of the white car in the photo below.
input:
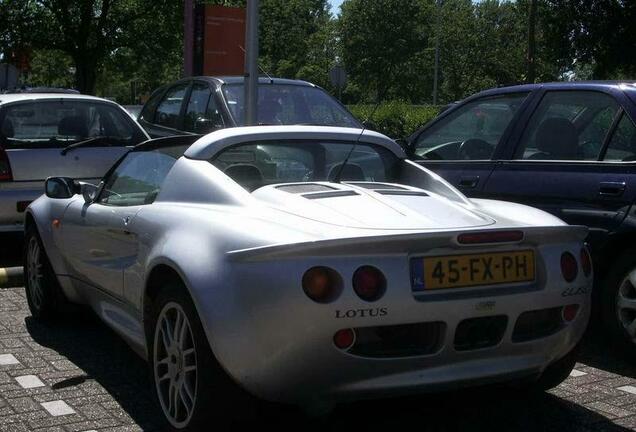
(307, 265)
(56, 134)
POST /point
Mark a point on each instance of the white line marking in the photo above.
(57, 408)
(29, 381)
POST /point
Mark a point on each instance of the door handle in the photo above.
(611, 189)
(469, 182)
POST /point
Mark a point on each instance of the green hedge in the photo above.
(396, 119)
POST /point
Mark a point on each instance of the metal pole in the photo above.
(251, 63)
(188, 37)
(436, 72)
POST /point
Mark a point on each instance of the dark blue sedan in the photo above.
(567, 148)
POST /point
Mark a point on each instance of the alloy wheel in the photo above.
(626, 304)
(34, 268)
(175, 365)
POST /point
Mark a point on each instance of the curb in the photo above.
(11, 277)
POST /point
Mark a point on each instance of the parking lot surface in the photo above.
(77, 375)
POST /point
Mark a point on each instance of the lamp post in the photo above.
(251, 63)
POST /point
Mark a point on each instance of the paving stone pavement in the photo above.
(77, 375)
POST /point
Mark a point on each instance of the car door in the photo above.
(461, 146)
(98, 238)
(565, 161)
(167, 118)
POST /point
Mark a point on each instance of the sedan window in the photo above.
(202, 115)
(470, 132)
(622, 147)
(280, 104)
(59, 123)
(170, 107)
(568, 125)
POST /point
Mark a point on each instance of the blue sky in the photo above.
(335, 6)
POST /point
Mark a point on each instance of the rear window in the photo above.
(58, 123)
(281, 104)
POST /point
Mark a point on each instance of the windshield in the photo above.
(280, 104)
(59, 123)
(268, 162)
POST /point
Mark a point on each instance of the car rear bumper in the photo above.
(298, 362)
(14, 198)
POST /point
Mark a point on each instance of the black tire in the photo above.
(43, 292)
(558, 371)
(215, 397)
(611, 315)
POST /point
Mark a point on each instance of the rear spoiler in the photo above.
(402, 243)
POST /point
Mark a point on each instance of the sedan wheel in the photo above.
(626, 304)
(175, 365)
(618, 301)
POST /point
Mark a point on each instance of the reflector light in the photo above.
(586, 262)
(569, 267)
(490, 237)
(569, 312)
(5, 168)
(320, 284)
(344, 338)
(369, 283)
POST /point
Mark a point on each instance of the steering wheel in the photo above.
(474, 149)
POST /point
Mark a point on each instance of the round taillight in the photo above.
(344, 338)
(586, 262)
(321, 284)
(369, 283)
(569, 312)
(569, 268)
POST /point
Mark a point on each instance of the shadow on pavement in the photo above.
(598, 351)
(11, 249)
(105, 358)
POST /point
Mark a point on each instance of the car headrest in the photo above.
(350, 172)
(7, 128)
(558, 138)
(268, 110)
(246, 175)
(73, 126)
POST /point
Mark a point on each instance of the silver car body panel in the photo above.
(242, 256)
(30, 167)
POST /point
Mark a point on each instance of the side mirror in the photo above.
(60, 187)
(89, 192)
(204, 125)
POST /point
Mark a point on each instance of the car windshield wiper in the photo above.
(93, 141)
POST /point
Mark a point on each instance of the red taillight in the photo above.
(344, 338)
(586, 262)
(5, 167)
(321, 284)
(369, 283)
(568, 313)
(569, 268)
(490, 237)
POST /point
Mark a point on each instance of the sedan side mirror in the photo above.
(203, 125)
(61, 187)
(89, 192)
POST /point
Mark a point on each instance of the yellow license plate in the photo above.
(456, 271)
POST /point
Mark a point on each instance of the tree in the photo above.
(381, 45)
(89, 31)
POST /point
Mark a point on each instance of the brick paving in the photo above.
(77, 375)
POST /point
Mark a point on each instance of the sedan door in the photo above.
(462, 144)
(570, 162)
(164, 117)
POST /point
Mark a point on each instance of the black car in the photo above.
(567, 148)
(203, 104)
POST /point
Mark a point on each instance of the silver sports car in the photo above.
(307, 265)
